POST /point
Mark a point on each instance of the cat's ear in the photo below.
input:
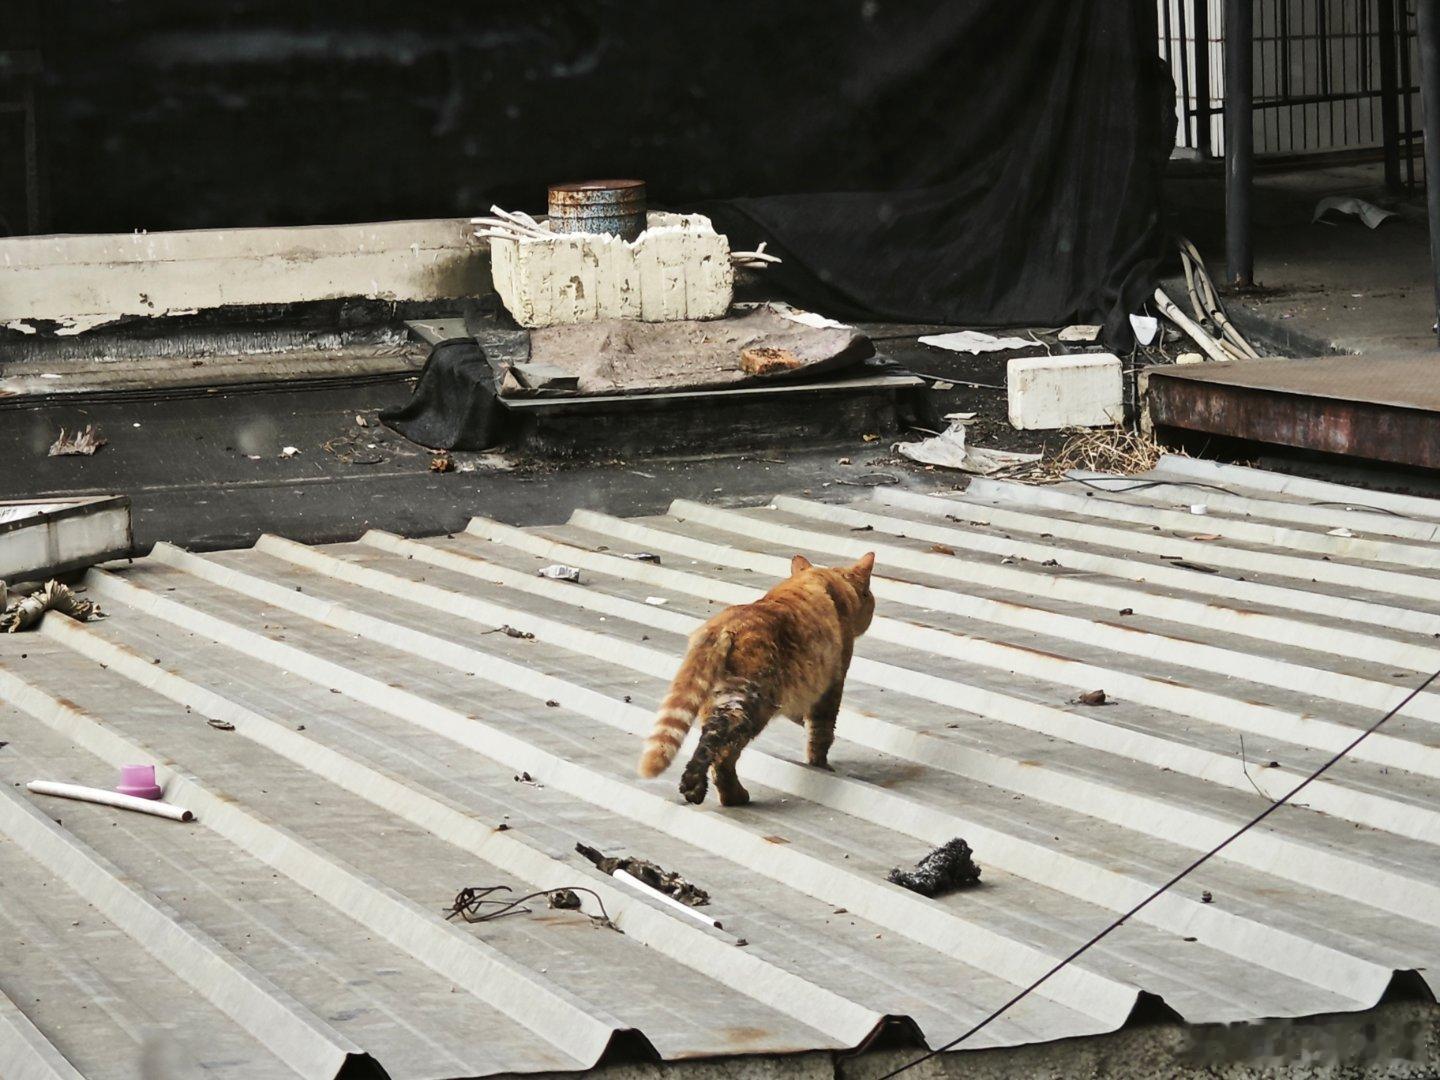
(799, 563)
(864, 566)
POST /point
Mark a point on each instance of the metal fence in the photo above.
(1330, 75)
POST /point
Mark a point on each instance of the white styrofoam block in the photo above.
(678, 268)
(1048, 392)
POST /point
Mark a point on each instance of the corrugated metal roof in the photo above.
(380, 725)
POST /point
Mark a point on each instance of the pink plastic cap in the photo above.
(138, 780)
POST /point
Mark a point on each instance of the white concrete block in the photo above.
(678, 268)
(1048, 392)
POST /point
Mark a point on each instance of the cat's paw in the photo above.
(694, 789)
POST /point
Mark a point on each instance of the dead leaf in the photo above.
(1092, 697)
(941, 549)
(85, 442)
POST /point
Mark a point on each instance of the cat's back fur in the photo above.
(787, 652)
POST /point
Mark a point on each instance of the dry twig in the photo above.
(1117, 451)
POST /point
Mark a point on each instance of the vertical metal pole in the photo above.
(32, 162)
(1201, 9)
(1239, 140)
(1427, 30)
(1389, 94)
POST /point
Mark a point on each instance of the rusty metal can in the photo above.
(616, 207)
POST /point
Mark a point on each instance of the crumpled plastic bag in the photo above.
(949, 451)
(950, 866)
(975, 341)
(1367, 212)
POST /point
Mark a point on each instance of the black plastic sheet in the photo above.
(988, 162)
(455, 405)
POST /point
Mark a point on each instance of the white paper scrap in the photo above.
(794, 314)
(973, 341)
(1367, 212)
(1145, 327)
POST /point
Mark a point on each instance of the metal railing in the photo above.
(1329, 75)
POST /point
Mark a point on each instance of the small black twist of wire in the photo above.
(474, 904)
(1117, 923)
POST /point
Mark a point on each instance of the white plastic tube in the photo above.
(111, 798)
(1212, 348)
(640, 886)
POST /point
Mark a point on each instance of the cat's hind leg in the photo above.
(820, 726)
(727, 784)
(694, 781)
(728, 726)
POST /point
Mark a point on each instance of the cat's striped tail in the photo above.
(707, 655)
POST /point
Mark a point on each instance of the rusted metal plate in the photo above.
(1409, 382)
(616, 207)
(1376, 409)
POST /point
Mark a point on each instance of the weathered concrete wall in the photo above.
(79, 282)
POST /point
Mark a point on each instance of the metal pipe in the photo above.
(1427, 29)
(1389, 94)
(1239, 140)
(1201, 9)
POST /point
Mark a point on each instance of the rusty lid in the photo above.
(598, 185)
(604, 193)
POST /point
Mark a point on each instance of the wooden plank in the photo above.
(32, 379)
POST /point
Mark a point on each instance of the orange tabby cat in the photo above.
(787, 652)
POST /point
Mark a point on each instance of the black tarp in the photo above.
(455, 404)
(1046, 209)
(978, 161)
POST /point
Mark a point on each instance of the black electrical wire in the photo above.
(1145, 485)
(1117, 923)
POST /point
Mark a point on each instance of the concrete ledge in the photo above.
(39, 539)
(70, 284)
